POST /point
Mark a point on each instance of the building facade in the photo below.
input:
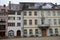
(33, 25)
(41, 19)
(15, 21)
(3, 21)
(32, 20)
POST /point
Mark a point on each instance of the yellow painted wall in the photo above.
(39, 15)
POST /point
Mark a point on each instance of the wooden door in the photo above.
(43, 32)
(2, 34)
(19, 33)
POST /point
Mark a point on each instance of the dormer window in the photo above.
(47, 6)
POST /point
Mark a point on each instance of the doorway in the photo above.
(19, 33)
(43, 32)
(2, 34)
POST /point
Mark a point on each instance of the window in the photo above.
(18, 18)
(2, 27)
(11, 12)
(30, 22)
(35, 13)
(18, 13)
(30, 13)
(11, 33)
(42, 13)
(58, 21)
(25, 32)
(11, 24)
(36, 22)
(3, 10)
(36, 32)
(56, 32)
(48, 13)
(11, 18)
(25, 22)
(54, 13)
(55, 21)
(49, 21)
(18, 24)
(1, 14)
(58, 13)
(25, 13)
(51, 32)
(30, 31)
(2, 20)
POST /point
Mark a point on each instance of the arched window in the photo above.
(56, 31)
(50, 31)
(11, 33)
(19, 33)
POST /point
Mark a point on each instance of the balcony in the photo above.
(2, 13)
(2, 27)
(2, 21)
(43, 26)
(11, 12)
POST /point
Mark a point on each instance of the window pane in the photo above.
(30, 31)
(2, 20)
(35, 13)
(25, 31)
(11, 33)
(30, 13)
(2, 27)
(30, 22)
(42, 13)
(18, 18)
(11, 24)
(51, 31)
(11, 12)
(56, 30)
(18, 24)
(25, 22)
(18, 13)
(36, 22)
(58, 21)
(58, 13)
(55, 21)
(49, 21)
(11, 18)
(36, 31)
(25, 13)
(54, 13)
(1, 14)
(48, 13)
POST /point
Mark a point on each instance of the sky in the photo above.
(2, 2)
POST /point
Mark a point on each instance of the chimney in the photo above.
(55, 3)
(9, 4)
(4, 5)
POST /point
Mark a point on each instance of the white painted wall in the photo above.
(15, 28)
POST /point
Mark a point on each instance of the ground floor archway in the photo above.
(18, 33)
(2, 34)
(44, 33)
(11, 33)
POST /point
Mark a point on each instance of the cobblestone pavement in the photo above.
(34, 38)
